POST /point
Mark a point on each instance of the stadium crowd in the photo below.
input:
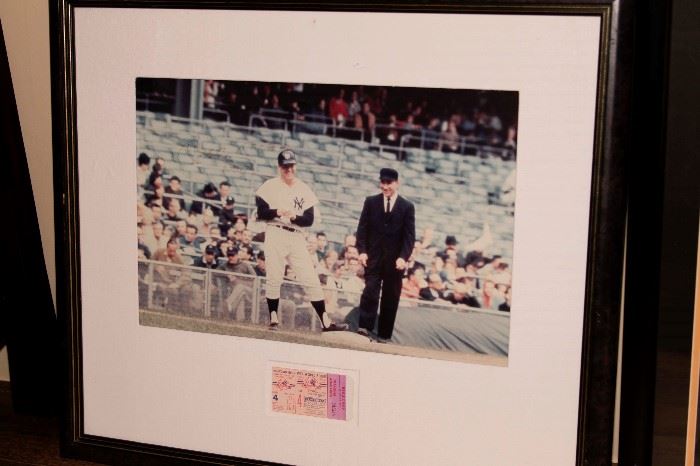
(205, 230)
(443, 118)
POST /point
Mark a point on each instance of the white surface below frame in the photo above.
(202, 392)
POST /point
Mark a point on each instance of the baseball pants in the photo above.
(284, 247)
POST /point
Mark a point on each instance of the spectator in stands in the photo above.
(427, 250)
(221, 198)
(160, 161)
(409, 124)
(472, 274)
(211, 92)
(350, 271)
(413, 261)
(224, 246)
(157, 196)
(451, 252)
(155, 237)
(169, 253)
(354, 107)
(317, 119)
(391, 134)
(327, 265)
(143, 162)
(436, 265)
(349, 275)
(417, 118)
(366, 121)
(180, 228)
(349, 241)
(245, 253)
(432, 133)
(143, 215)
(141, 242)
(169, 281)
(338, 108)
(233, 107)
(227, 215)
(246, 242)
(215, 233)
(490, 265)
(175, 188)
(191, 242)
(170, 231)
(505, 305)
(153, 182)
(491, 297)
(449, 138)
(412, 285)
(156, 212)
(322, 245)
(463, 293)
(252, 101)
(235, 233)
(449, 271)
(379, 101)
(435, 289)
(295, 111)
(143, 253)
(311, 245)
(208, 259)
(260, 264)
(207, 196)
(237, 292)
(173, 213)
(501, 275)
(511, 137)
(154, 177)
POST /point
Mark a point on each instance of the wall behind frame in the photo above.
(26, 28)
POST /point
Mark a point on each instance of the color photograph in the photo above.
(369, 218)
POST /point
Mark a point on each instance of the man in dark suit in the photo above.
(385, 237)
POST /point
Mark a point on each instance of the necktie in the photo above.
(388, 206)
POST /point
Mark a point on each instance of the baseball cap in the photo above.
(232, 251)
(388, 174)
(210, 249)
(286, 157)
(450, 240)
(230, 200)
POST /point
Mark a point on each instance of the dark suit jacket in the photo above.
(382, 238)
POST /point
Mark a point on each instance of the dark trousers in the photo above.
(386, 279)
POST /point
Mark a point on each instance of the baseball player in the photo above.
(286, 204)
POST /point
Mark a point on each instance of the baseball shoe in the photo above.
(274, 320)
(333, 327)
(363, 331)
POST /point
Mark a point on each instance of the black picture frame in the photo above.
(606, 225)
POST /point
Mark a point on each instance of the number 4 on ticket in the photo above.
(309, 393)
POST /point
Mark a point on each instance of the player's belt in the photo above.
(293, 230)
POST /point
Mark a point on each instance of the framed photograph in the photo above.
(301, 233)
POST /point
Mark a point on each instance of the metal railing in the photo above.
(430, 140)
(215, 293)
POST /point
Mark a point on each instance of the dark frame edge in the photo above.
(63, 128)
(605, 255)
(606, 239)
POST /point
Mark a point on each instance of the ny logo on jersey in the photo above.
(299, 203)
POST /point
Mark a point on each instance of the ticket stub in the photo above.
(309, 393)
